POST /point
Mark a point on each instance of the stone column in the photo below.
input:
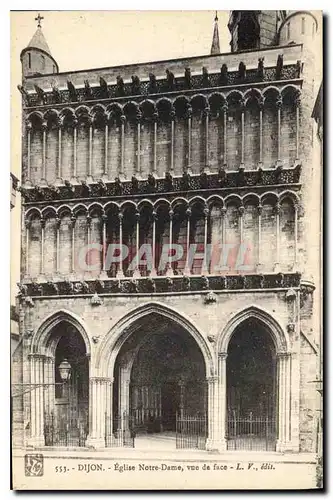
(261, 107)
(75, 147)
(205, 266)
(279, 106)
(136, 273)
(154, 219)
(29, 127)
(97, 409)
(36, 400)
(104, 245)
(189, 138)
(259, 266)
(73, 220)
(27, 245)
(58, 222)
(277, 210)
(155, 117)
(172, 142)
(206, 116)
(120, 272)
(187, 270)
(122, 155)
(284, 409)
(108, 410)
(90, 142)
(44, 130)
(298, 105)
(222, 401)
(213, 414)
(123, 401)
(105, 173)
(242, 104)
(59, 150)
(225, 109)
(42, 223)
(169, 271)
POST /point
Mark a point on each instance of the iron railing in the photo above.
(119, 431)
(251, 433)
(191, 431)
(65, 432)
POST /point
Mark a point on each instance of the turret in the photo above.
(254, 29)
(299, 26)
(36, 58)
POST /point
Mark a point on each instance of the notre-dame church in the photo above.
(212, 154)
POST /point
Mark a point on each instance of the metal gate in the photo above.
(119, 431)
(71, 431)
(251, 433)
(191, 432)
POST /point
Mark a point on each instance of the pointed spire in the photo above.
(216, 37)
(38, 40)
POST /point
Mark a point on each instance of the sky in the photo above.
(92, 39)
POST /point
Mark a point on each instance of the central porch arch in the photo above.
(159, 364)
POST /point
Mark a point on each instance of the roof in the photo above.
(38, 42)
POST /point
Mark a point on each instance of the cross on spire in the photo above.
(216, 18)
(39, 18)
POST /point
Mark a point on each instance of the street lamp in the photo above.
(65, 370)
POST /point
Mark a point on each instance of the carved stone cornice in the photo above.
(160, 86)
(163, 284)
(133, 187)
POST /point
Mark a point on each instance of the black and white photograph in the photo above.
(166, 250)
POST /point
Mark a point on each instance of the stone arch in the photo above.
(123, 329)
(42, 341)
(279, 337)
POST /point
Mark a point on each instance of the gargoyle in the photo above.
(171, 83)
(86, 189)
(23, 290)
(118, 187)
(69, 186)
(56, 94)
(136, 90)
(152, 182)
(120, 89)
(135, 184)
(279, 66)
(241, 71)
(188, 79)
(152, 84)
(53, 286)
(223, 79)
(205, 78)
(261, 67)
(88, 92)
(104, 88)
(168, 181)
(24, 94)
(102, 186)
(41, 95)
(72, 91)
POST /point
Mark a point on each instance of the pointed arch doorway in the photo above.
(159, 383)
(252, 388)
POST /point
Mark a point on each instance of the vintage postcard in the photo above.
(166, 180)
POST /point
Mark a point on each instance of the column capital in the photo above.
(283, 355)
(100, 380)
(222, 355)
(212, 379)
(36, 356)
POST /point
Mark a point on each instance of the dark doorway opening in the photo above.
(251, 388)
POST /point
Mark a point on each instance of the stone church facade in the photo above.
(209, 153)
